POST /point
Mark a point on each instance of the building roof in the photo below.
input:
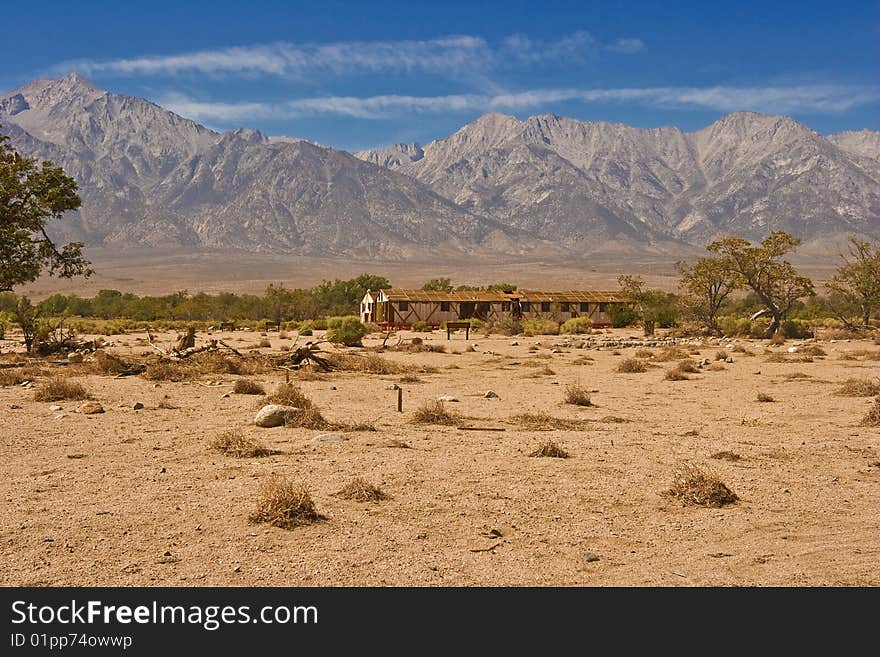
(534, 296)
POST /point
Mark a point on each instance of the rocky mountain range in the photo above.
(545, 185)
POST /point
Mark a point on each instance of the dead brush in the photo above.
(105, 363)
(721, 355)
(688, 367)
(716, 367)
(410, 378)
(872, 418)
(726, 455)
(644, 353)
(697, 487)
(281, 503)
(631, 366)
(765, 398)
(546, 422)
(248, 387)
(11, 377)
(434, 412)
(676, 374)
(551, 450)
(577, 395)
(216, 362)
(812, 350)
(792, 376)
(235, 443)
(584, 360)
(288, 394)
(859, 388)
(58, 389)
(365, 364)
(163, 371)
(360, 490)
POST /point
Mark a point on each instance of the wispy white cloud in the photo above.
(792, 99)
(453, 55)
(626, 46)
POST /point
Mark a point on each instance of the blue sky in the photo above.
(357, 75)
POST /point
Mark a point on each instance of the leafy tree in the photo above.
(856, 285)
(438, 285)
(30, 194)
(760, 268)
(652, 305)
(502, 287)
(279, 300)
(706, 285)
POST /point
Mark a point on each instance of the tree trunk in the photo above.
(774, 326)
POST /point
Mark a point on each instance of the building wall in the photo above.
(433, 313)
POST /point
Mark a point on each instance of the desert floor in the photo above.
(137, 497)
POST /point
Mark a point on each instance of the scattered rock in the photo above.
(273, 415)
(137, 406)
(447, 398)
(90, 408)
(514, 344)
(56, 407)
(729, 359)
(74, 357)
(329, 437)
(490, 394)
(590, 557)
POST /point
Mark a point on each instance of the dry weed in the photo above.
(235, 443)
(284, 504)
(434, 412)
(248, 387)
(577, 395)
(550, 449)
(631, 366)
(698, 487)
(859, 388)
(58, 389)
(360, 490)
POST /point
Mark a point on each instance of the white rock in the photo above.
(447, 398)
(273, 415)
(55, 408)
(74, 357)
(792, 350)
(329, 437)
(490, 394)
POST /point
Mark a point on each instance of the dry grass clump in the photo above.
(162, 371)
(417, 346)
(583, 360)
(577, 395)
(872, 418)
(105, 363)
(721, 355)
(859, 388)
(248, 387)
(284, 504)
(716, 367)
(434, 412)
(11, 377)
(796, 375)
(288, 394)
(545, 422)
(644, 353)
(812, 350)
(265, 344)
(688, 366)
(58, 388)
(676, 374)
(360, 490)
(726, 455)
(671, 353)
(307, 374)
(777, 339)
(697, 487)
(365, 364)
(764, 397)
(631, 366)
(235, 443)
(552, 450)
(410, 378)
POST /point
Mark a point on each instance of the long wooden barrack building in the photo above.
(398, 308)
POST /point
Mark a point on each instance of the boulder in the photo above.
(273, 415)
(490, 394)
(90, 408)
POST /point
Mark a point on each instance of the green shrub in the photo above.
(421, 327)
(347, 330)
(306, 331)
(622, 315)
(476, 323)
(540, 326)
(796, 329)
(577, 325)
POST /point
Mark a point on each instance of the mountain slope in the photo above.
(576, 181)
(150, 177)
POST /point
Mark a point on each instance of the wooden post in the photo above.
(286, 376)
(467, 331)
(399, 399)
(448, 332)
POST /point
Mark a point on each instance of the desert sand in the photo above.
(138, 497)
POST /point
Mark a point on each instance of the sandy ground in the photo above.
(138, 498)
